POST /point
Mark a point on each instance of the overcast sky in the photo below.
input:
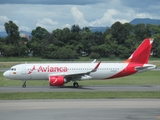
(53, 14)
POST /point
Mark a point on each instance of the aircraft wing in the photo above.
(76, 73)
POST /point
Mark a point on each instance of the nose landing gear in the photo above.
(24, 84)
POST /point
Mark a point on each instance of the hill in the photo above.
(3, 34)
(145, 21)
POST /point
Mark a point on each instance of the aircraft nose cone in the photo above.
(5, 74)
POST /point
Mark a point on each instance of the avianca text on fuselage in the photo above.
(48, 68)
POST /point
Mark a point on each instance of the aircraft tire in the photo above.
(75, 84)
(24, 85)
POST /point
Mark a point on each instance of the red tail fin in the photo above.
(142, 53)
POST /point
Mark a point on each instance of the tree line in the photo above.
(120, 40)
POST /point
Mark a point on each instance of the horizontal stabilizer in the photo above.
(145, 67)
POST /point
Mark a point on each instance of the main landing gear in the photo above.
(24, 84)
(75, 84)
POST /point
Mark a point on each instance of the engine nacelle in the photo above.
(56, 80)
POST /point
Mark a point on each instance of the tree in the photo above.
(118, 32)
(156, 45)
(35, 47)
(131, 43)
(14, 45)
(40, 33)
(111, 45)
(97, 38)
(23, 50)
(39, 41)
(75, 28)
(86, 29)
(94, 55)
(140, 31)
(8, 50)
(85, 41)
(13, 33)
(58, 37)
(122, 52)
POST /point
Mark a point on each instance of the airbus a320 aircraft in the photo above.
(60, 73)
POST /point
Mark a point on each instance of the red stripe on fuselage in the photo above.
(129, 70)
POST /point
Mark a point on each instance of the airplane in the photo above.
(59, 74)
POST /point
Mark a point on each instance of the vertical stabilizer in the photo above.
(142, 53)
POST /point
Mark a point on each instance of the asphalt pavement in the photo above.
(81, 88)
(80, 109)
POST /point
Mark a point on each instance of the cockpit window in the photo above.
(13, 69)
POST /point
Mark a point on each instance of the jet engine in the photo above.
(57, 80)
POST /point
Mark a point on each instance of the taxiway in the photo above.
(84, 109)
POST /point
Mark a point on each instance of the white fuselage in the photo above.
(43, 71)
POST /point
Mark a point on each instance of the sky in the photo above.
(53, 14)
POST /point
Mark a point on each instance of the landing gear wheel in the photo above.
(75, 84)
(24, 85)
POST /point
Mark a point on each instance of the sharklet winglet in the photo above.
(96, 67)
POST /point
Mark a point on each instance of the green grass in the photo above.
(77, 95)
(146, 78)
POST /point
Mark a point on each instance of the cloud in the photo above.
(53, 14)
(52, 2)
(3, 19)
(46, 23)
(78, 17)
(143, 15)
(24, 28)
(106, 20)
(67, 25)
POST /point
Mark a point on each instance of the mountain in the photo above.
(3, 34)
(145, 21)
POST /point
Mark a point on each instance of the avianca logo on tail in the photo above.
(48, 69)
